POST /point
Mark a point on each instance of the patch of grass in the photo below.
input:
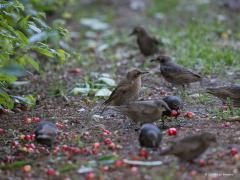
(194, 37)
(14, 165)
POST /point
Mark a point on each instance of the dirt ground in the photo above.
(81, 125)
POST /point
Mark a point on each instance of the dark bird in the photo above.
(174, 73)
(150, 136)
(191, 147)
(148, 45)
(174, 103)
(143, 111)
(45, 133)
(127, 90)
(224, 93)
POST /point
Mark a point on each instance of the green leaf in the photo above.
(6, 100)
(7, 78)
(61, 55)
(33, 63)
(22, 37)
(108, 159)
(43, 51)
(14, 165)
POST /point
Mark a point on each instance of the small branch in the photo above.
(143, 163)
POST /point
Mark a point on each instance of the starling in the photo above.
(45, 133)
(143, 111)
(150, 136)
(174, 73)
(148, 45)
(127, 90)
(174, 103)
(191, 147)
(224, 93)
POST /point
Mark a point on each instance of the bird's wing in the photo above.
(181, 72)
(228, 91)
(187, 144)
(120, 90)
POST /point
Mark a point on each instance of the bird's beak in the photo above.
(153, 60)
(144, 72)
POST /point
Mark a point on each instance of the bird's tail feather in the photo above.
(165, 152)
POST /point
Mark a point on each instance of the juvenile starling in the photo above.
(127, 90)
(143, 111)
(150, 136)
(148, 45)
(45, 133)
(232, 92)
(174, 103)
(190, 147)
(174, 73)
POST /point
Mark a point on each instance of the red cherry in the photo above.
(143, 153)
(28, 137)
(27, 168)
(201, 162)
(163, 93)
(90, 176)
(105, 168)
(118, 163)
(75, 71)
(172, 131)
(134, 169)
(174, 113)
(2, 131)
(107, 141)
(106, 132)
(59, 125)
(112, 146)
(15, 144)
(6, 111)
(234, 151)
(96, 145)
(51, 172)
(189, 115)
(36, 119)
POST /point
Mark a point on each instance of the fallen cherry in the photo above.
(134, 169)
(27, 168)
(51, 172)
(15, 144)
(2, 131)
(105, 168)
(174, 113)
(59, 125)
(107, 141)
(201, 162)
(90, 176)
(96, 145)
(36, 119)
(75, 71)
(234, 151)
(189, 115)
(106, 132)
(118, 163)
(28, 137)
(112, 146)
(172, 132)
(163, 93)
(143, 153)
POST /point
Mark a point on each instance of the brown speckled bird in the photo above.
(191, 147)
(174, 73)
(224, 92)
(150, 136)
(45, 133)
(148, 45)
(127, 90)
(143, 111)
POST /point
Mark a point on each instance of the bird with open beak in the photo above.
(174, 73)
(147, 44)
(231, 92)
(127, 90)
(190, 147)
